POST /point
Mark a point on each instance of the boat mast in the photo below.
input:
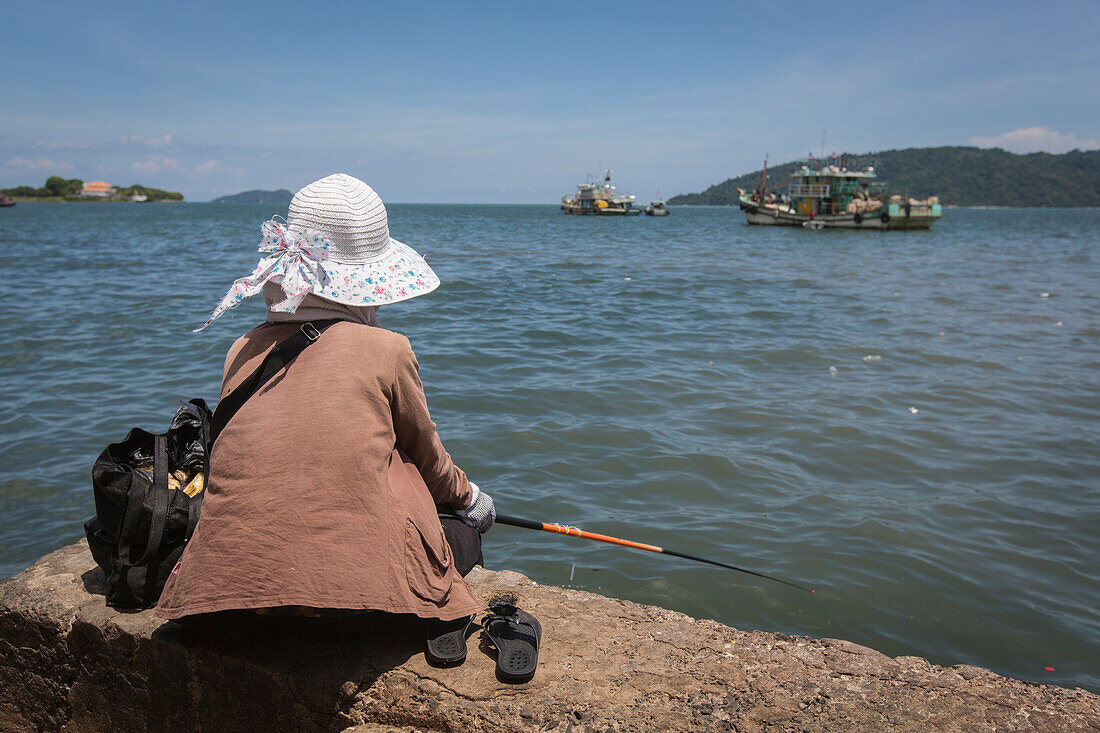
(764, 178)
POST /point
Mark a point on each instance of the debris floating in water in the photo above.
(710, 363)
(873, 357)
(627, 279)
(1049, 669)
(941, 334)
(1059, 323)
(832, 371)
(1044, 295)
(571, 571)
(913, 410)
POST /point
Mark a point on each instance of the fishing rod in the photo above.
(570, 531)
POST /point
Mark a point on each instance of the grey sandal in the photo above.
(446, 642)
(516, 635)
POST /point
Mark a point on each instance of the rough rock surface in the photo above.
(69, 663)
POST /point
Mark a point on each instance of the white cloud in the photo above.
(154, 163)
(63, 145)
(206, 168)
(211, 167)
(1034, 140)
(153, 142)
(39, 164)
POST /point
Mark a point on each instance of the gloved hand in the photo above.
(481, 513)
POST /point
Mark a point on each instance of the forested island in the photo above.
(960, 176)
(279, 196)
(57, 188)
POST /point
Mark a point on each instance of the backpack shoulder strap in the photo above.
(275, 360)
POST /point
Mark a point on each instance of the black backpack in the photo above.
(145, 512)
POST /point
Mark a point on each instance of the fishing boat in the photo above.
(6, 200)
(833, 197)
(599, 198)
(657, 207)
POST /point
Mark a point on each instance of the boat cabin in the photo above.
(832, 189)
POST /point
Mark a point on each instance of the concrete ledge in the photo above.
(68, 662)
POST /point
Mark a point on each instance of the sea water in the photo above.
(908, 422)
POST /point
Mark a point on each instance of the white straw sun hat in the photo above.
(335, 244)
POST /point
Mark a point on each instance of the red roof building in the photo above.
(97, 188)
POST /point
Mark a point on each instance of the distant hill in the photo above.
(963, 176)
(282, 196)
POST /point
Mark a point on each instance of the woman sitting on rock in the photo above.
(323, 487)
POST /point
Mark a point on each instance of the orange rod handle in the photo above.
(576, 532)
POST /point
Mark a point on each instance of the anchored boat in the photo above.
(600, 199)
(657, 207)
(835, 197)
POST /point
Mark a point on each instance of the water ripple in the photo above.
(664, 380)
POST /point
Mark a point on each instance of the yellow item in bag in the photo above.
(195, 486)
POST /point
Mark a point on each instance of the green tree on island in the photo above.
(58, 186)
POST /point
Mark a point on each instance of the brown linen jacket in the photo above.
(323, 487)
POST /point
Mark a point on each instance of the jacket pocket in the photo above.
(427, 563)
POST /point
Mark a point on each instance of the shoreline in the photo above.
(71, 662)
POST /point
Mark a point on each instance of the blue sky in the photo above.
(518, 102)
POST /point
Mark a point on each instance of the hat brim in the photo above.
(399, 275)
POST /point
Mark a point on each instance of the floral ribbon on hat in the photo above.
(295, 263)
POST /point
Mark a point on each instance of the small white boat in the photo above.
(657, 207)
